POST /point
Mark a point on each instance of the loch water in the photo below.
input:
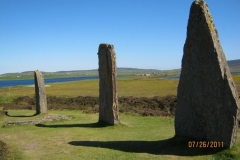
(11, 83)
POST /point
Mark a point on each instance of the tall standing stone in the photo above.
(41, 99)
(108, 100)
(207, 99)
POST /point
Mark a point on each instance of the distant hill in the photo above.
(120, 69)
(234, 66)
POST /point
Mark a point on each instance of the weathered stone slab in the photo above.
(39, 120)
(207, 99)
(40, 93)
(108, 100)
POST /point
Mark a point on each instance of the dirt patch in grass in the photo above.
(2, 113)
(154, 106)
(3, 150)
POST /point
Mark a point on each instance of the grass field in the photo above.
(136, 86)
(136, 137)
(81, 138)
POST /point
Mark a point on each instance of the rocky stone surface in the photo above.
(207, 99)
(108, 100)
(40, 93)
(39, 120)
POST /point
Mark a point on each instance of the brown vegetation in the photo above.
(154, 106)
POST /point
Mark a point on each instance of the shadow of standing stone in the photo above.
(207, 99)
(41, 100)
(108, 100)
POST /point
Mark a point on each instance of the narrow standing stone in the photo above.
(108, 100)
(207, 99)
(41, 100)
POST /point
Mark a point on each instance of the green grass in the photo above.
(81, 138)
(236, 79)
(136, 86)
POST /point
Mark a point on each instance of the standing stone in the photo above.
(41, 100)
(108, 100)
(207, 99)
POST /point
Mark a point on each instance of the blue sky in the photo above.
(57, 35)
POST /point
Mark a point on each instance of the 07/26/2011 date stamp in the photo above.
(205, 144)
